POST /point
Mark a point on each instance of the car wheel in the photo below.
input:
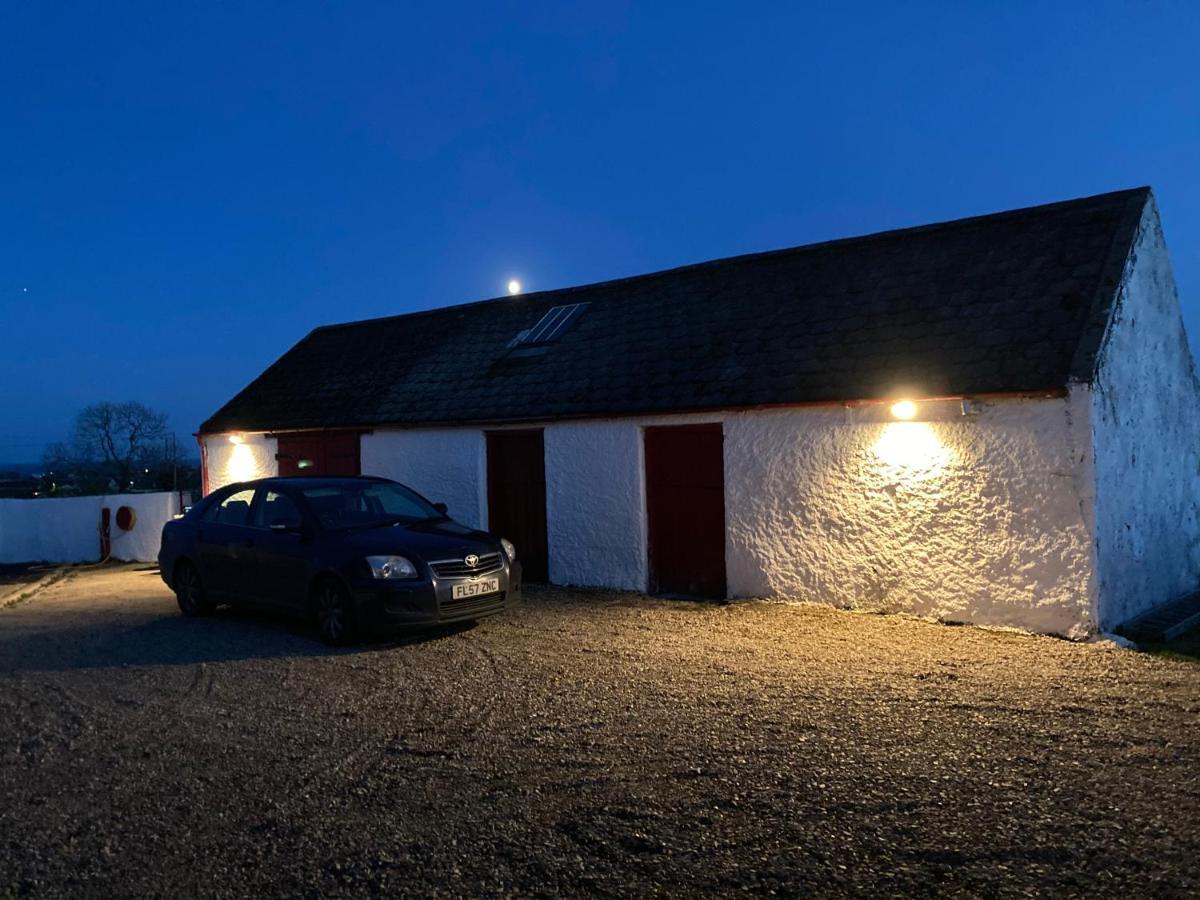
(335, 614)
(189, 591)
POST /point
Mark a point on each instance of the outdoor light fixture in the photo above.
(904, 409)
(514, 287)
(235, 439)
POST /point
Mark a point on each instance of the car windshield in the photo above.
(369, 503)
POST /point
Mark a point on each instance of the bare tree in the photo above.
(117, 439)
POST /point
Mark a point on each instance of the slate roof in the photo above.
(1011, 302)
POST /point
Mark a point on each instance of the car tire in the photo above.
(334, 614)
(189, 591)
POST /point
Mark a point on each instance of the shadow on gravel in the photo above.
(104, 642)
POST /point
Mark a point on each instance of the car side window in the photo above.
(233, 510)
(276, 509)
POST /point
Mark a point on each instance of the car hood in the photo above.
(443, 539)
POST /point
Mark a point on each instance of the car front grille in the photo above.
(471, 607)
(456, 568)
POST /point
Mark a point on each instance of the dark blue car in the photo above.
(350, 553)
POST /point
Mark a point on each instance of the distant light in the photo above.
(904, 409)
(235, 439)
(514, 287)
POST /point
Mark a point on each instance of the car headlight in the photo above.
(509, 550)
(391, 567)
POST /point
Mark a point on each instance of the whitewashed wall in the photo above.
(1146, 416)
(983, 518)
(67, 530)
(595, 504)
(228, 462)
(446, 465)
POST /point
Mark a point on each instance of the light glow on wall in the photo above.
(242, 465)
(904, 409)
(912, 450)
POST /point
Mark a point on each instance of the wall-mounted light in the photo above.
(236, 439)
(903, 409)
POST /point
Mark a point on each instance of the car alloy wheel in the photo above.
(335, 618)
(189, 591)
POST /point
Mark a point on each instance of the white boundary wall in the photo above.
(67, 530)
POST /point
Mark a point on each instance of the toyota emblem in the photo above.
(471, 560)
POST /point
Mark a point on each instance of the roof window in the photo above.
(549, 328)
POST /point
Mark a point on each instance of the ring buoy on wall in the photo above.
(126, 518)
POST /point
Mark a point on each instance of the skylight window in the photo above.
(549, 327)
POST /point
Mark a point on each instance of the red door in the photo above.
(685, 506)
(319, 453)
(517, 496)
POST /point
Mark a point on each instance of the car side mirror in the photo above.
(441, 508)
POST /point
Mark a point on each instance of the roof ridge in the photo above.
(1000, 215)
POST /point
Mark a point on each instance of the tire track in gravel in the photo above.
(28, 591)
(402, 704)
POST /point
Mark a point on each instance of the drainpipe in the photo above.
(203, 463)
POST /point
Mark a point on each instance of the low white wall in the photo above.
(446, 465)
(67, 530)
(1146, 416)
(227, 462)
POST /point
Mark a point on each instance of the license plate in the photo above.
(475, 588)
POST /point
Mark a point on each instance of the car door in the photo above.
(225, 545)
(283, 549)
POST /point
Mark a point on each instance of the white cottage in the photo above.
(732, 428)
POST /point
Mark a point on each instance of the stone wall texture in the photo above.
(1146, 418)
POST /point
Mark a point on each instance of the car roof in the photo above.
(322, 480)
(311, 481)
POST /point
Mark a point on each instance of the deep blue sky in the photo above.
(187, 189)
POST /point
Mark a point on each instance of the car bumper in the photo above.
(381, 604)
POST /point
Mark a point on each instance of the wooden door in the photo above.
(685, 508)
(319, 453)
(516, 472)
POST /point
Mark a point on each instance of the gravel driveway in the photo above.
(587, 742)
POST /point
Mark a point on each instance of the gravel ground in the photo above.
(588, 742)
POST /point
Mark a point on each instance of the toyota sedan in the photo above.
(350, 553)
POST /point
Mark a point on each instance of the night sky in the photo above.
(187, 189)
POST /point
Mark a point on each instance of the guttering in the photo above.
(1046, 394)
